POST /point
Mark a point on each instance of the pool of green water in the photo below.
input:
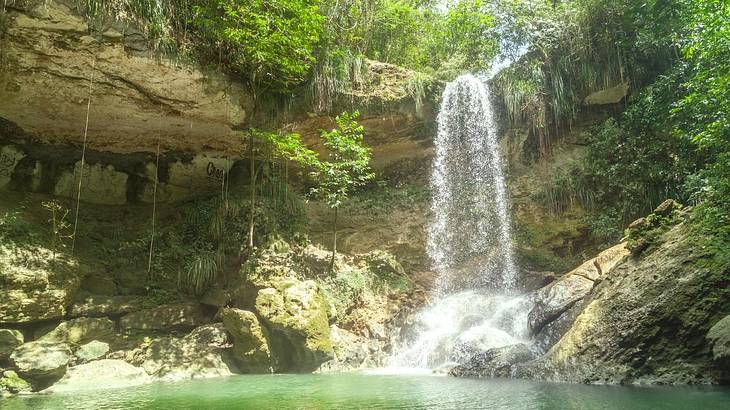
(354, 390)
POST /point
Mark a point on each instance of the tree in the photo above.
(270, 43)
(346, 168)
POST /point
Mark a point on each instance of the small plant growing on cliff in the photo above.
(59, 224)
(346, 168)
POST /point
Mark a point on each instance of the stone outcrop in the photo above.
(41, 363)
(203, 353)
(646, 321)
(612, 95)
(9, 340)
(51, 55)
(101, 305)
(295, 315)
(165, 317)
(250, 345)
(76, 332)
(99, 375)
(35, 292)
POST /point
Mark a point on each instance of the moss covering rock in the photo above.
(250, 345)
(12, 383)
(82, 330)
(165, 317)
(41, 362)
(295, 314)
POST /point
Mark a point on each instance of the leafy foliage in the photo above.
(348, 166)
(271, 42)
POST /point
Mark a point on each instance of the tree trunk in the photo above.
(252, 187)
(334, 243)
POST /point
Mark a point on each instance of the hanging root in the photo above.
(83, 157)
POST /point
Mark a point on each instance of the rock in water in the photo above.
(494, 362)
(165, 317)
(250, 346)
(93, 350)
(101, 374)
(295, 315)
(41, 362)
(9, 340)
(203, 353)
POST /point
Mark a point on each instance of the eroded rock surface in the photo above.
(100, 374)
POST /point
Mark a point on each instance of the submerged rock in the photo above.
(250, 345)
(100, 374)
(41, 362)
(9, 340)
(496, 362)
(165, 317)
(295, 315)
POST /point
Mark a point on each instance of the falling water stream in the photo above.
(474, 303)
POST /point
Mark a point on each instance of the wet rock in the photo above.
(93, 350)
(295, 315)
(203, 353)
(250, 345)
(554, 330)
(9, 340)
(530, 281)
(351, 351)
(41, 362)
(165, 317)
(100, 374)
(11, 382)
(553, 300)
(80, 331)
(646, 322)
(496, 362)
(101, 305)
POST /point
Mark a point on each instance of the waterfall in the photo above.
(474, 304)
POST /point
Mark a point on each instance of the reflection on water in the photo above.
(358, 390)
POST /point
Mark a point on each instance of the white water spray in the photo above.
(475, 307)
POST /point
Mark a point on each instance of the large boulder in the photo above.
(37, 290)
(166, 317)
(91, 351)
(648, 319)
(82, 330)
(294, 313)
(41, 362)
(102, 305)
(9, 340)
(250, 345)
(100, 374)
(497, 362)
(203, 353)
(556, 298)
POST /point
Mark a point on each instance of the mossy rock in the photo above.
(13, 383)
(250, 345)
(294, 312)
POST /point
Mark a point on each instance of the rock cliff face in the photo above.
(644, 312)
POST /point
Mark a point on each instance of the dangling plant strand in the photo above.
(83, 156)
(154, 205)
